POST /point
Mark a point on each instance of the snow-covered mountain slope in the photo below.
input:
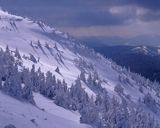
(145, 50)
(48, 48)
(26, 115)
(36, 39)
(52, 48)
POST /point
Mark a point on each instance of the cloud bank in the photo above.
(93, 17)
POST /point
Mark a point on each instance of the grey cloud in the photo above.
(100, 18)
(150, 16)
(79, 13)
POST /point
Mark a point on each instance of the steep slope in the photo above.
(54, 51)
(27, 116)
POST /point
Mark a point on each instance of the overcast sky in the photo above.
(85, 18)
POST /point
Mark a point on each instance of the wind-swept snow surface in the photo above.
(24, 115)
(49, 106)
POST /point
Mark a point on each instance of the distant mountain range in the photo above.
(141, 59)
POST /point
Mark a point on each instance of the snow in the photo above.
(141, 49)
(25, 115)
(28, 31)
(50, 107)
(20, 37)
(88, 90)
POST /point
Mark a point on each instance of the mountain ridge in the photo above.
(57, 52)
